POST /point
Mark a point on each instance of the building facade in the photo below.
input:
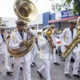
(9, 23)
(38, 23)
(60, 18)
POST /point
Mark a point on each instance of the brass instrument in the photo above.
(48, 32)
(27, 12)
(75, 41)
(28, 45)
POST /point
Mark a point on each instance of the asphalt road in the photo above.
(57, 72)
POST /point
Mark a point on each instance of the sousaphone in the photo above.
(27, 12)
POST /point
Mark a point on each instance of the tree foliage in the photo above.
(76, 5)
(0, 20)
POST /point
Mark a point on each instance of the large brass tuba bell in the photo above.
(25, 10)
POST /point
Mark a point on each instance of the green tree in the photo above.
(0, 20)
(3, 24)
(76, 5)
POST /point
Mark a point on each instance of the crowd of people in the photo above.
(45, 45)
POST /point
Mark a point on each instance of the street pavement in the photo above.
(57, 72)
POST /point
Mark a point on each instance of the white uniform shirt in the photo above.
(44, 48)
(79, 47)
(16, 39)
(3, 45)
(66, 38)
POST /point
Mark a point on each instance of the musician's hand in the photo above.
(8, 37)
(21, 44)
(49, 39)
(66, 46)
(3, 40)
(54, 46)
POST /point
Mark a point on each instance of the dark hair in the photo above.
(20, 23)
(72, 23)
(45, 37)
(44, 29)
(2, 29)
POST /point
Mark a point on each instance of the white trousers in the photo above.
(54, 56)
(6, 59)
(32, 57)
(12, 62)
(79, 55)
(26, 70)
(46, 69)
(75, 65)
(34, 53)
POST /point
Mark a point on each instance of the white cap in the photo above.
(45, 27)
(2, 26)
(32, 26)
(72, 21)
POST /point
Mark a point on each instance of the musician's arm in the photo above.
(32, 32)
(1, 41)
(12, 43)
(54, 40)
(63, 34)
(42, 42)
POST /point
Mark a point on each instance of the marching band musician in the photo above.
(78, 25)
(54, 56)
(34, 51)
(67, 36)
(45, 51)
(16, 40)
(79, 54)
(4, 51)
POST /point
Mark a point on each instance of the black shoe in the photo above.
(3, 61)
(21, 68)
(68, 75)
(41, 76)
(78, 70)
(56, 63)
(11, 56)
(34, 64)
(76, 76)
(62, 59)
(10, 73)
(12, 65)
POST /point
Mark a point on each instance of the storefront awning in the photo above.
(64, 19)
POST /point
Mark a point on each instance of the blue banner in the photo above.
(68, 13)
(65, 14)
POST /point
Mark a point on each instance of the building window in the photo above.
(40, 26)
